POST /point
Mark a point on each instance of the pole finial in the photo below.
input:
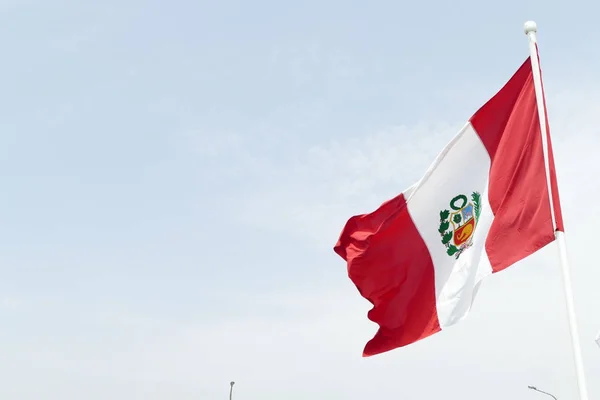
(530, 26)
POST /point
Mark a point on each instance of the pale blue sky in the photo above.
(176, 175)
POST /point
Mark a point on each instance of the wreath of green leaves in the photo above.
(446, 235)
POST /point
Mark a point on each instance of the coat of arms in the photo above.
(457, 226)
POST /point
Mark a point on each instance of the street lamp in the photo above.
(541, 391)
(231, 389)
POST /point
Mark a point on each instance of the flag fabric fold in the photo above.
(482, 206)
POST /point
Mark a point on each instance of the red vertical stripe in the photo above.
(555, 197)
(390, 265)
(508, 125)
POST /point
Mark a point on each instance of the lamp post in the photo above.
(231, 389)
(541, 391)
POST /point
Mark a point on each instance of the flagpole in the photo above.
(530, 31)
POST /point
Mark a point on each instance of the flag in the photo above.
(481, 206)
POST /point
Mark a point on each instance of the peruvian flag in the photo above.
(482, 206)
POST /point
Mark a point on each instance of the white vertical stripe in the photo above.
(462, 168)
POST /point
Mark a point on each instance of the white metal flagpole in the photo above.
(530, 31)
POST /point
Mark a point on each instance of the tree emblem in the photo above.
(463, 220)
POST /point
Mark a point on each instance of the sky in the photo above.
(176, 174)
